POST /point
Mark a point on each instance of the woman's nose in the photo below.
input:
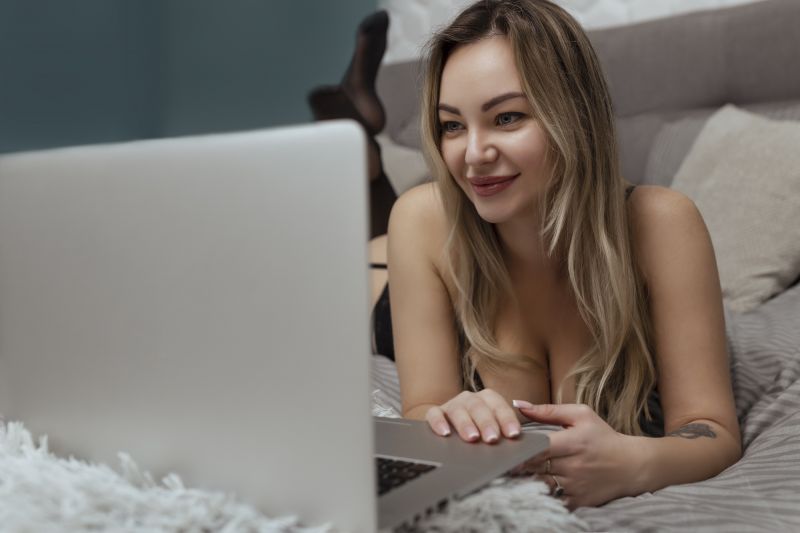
(480, 149)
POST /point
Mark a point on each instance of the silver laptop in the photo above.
(202, 304)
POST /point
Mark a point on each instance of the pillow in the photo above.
(675, 138)
(404, 167)
(408, 134)
(743, 173)
(670, 147)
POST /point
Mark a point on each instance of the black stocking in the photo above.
(359, 79)
(331, 102)
(381, 200)
(355, 98)
(358, 83)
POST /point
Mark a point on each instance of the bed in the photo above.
(761, 492)
(707, 103)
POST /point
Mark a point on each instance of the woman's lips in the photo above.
(491, 185)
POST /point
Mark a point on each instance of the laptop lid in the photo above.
(200, 303)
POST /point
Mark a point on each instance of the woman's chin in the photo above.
(496, 210)
(493, 216)
(499, 208)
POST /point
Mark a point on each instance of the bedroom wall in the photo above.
(250, 63)
(77, 72)
(113, 70)
(412, 20)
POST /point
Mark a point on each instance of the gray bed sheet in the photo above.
(761, 492)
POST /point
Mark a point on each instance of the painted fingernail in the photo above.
(512, 431)
(491, 435)
(443, 430)
(472, 435)
(522, 404)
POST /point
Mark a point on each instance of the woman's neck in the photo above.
(523, 246)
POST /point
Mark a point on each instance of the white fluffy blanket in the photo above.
(40, 492)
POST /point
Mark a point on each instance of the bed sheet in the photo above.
(761, 491)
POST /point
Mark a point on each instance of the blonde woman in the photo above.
(528, 282)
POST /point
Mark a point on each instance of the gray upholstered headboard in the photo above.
(663, 70)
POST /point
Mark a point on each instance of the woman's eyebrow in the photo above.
(449, 109)
(486, 106)
(499, 99)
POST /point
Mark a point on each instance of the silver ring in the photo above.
(559, 490)
(547, 467)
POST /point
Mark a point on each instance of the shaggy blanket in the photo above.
(43, 493)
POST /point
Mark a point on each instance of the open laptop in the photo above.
(202, 304)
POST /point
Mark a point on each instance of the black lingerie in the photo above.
(382, 322)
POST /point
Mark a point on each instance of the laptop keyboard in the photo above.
(393, 473)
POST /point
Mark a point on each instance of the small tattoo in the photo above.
(693, 431)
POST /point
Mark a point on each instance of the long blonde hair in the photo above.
(584, 220)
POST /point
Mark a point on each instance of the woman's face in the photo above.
(491, 143)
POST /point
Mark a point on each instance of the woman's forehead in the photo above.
(479, 70)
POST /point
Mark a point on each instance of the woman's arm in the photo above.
(595, 464)
(676, 256)
(423, 322)
(425, 339)
(694, 452)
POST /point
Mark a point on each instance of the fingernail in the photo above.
(443, 429)
(491, 435)
(472, 435)
(512, 431)
(522, 404)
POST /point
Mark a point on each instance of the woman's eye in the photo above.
(450, 126)
(506, 119)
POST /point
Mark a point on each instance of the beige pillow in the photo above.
(404, 167)
(674, 140)
(743, 173)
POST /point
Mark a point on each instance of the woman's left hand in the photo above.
(591, 462)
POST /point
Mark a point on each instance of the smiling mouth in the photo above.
(491, 185)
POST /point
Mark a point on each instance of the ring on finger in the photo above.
(558, 491)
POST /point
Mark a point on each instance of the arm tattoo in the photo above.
(693, 431)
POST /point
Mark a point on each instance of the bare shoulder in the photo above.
(666, 227)
(422, 204)
(651, 204)
(418, 216)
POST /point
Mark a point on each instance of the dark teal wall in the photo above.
(250, 62)
(84, 71)
(77, 72)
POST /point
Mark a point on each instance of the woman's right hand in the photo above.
(483, 415)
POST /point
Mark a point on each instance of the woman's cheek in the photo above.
(450, 156)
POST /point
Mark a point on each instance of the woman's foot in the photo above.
(330, 103)
(355, 97)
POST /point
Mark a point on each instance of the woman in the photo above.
(527, 274)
